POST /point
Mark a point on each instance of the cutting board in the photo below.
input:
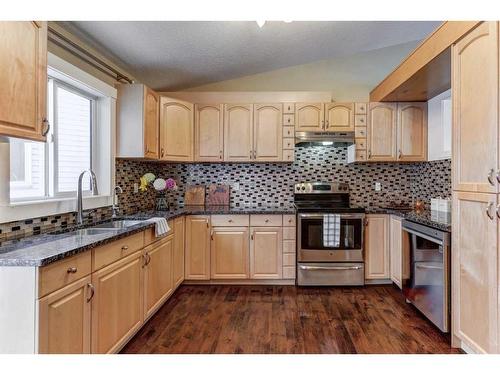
(218, 195)
(194, 196)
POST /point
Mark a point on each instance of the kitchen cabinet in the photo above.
(229, 253)
(179, 245)
(65, 319)
(268, 132)
(238, 132)
(158, 274)
(23, 80)
(475, 110)
(309, 117)
(176, 130)
(197, 261)
(339, 117)
(377, 247)
(396, 250)
(138, 126)
(117, 306)
(209, 132)
(266, 253)
(381, 132)
(412, 131)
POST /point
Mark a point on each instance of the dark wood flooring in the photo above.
(288, 319)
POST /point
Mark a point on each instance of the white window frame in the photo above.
(103, 144)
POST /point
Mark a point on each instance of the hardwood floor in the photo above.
(288, 319)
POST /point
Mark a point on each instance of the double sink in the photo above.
(109, 227)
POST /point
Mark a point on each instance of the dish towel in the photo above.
(331, 230)
(161, 226)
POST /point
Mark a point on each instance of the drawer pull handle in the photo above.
(266, 221)
(124, 247)
(92, 291)
(72, 270)
(490, 177)
(488, 208)
(289, 220)
(230, 220)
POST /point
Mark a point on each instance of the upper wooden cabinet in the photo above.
(208, 132)
(197, 261)
(268, 132)
(381, 132)
(475, 110)
(238, 132)
(377, 250)
(309, 117)
(23, 80)
(339, 117)
(138, 128)
(229, 253)
(412, 131)
(176, 130)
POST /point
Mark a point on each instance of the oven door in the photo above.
(311, 247)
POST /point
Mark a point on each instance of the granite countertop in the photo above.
(441, 221)
(40, 250)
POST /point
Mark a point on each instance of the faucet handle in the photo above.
(118, 190)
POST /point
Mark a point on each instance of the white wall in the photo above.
(439, 127)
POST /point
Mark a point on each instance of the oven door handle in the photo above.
(342, 216)
(333, 268)
(419, 234)
(428, 267)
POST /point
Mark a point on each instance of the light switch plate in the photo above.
(236, 186)
(136, 187)
(378, 186)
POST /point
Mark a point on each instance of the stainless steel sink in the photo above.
(95, 231)
(118, 224)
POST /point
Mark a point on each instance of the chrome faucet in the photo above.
(115, 208)
(79, 203)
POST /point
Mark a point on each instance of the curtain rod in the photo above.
(56, 38)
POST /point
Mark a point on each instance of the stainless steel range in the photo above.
(329, 235)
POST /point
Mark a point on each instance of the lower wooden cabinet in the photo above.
(65, 319)
(117, 306)
(396, 250)
(377, 247)
(229, 253)
(179, 242)
(197, 262)
(266, 253)
(158, 274)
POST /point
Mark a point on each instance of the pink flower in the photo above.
(171, 184)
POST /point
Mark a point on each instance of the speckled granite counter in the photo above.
(43, 249)
(426, 217)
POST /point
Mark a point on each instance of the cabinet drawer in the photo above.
(288, 108)
(266, 220)
(360, 155)
(288, 132)
(107, 254)
(288, 120)
(359, 120)
(289, 233)
(360, 108)
(288, 155)
(360, 143)
(289, 246)
(230, 220)
(289, 272)
(288, 259)
(150, 236)
(289, 220)
(360, 132)
(56, 275)
(288, 143)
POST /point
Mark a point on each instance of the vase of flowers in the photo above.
(161, 186)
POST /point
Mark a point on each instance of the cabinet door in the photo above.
(396, 250)
(309, 117)
(377, 247)
(474, 270)
(158, 274)
(381, 131)
(64, 317)
(339, 117)
(179, 243)
(176, 130)
(151, 124)
(268, 132)
(475, 110)
(117, 306)
(197, 260)
(238, 134)
(23, 79)
(266, 253)
(229, 252)
(412, 131)
(208, 132)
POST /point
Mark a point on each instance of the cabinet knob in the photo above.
(162, 152)
(266, 221)
(72, 270)
(124, 247)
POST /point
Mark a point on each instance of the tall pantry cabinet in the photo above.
(475, 180)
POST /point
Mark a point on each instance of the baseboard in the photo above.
(240, 282)
(378, 281)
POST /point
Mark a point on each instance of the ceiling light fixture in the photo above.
(261, 23)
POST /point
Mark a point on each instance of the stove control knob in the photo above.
(303, 188)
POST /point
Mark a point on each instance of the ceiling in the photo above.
(174, 55)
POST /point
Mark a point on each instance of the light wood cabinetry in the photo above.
(197, 260)
(229, 253)
(23, 80)
(176, 130)
(268, 132)
(65, 319)
(339, 117)
(360, 120)
(412, 131)
(209, 132)
(381, 132)
(117, 306)
(151, 124)
(238, 132)
(377, 247)
(309, 117)
(179, 245)
(266, 259)
(396, 250)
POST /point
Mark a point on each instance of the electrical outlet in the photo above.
(136, 187)
(378, 186)
(236, 186)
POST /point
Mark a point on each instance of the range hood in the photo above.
(305, 139)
